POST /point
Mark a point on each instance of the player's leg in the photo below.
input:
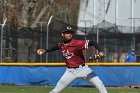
(94, 80)
(65, 80)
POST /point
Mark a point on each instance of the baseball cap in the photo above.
(67, 29)
(132, 50)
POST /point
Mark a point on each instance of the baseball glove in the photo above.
(100, 55)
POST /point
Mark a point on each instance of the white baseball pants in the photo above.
(82, 72)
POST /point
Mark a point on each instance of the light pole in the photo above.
(1, 47)
(47, 36)
(133, 22)
(85, 25)
(41, 46)
(133, 30)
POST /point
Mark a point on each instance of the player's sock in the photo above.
(98, 84)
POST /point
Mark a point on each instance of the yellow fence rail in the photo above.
(63, 64)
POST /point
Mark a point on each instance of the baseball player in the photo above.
(131, 57)
(72, 50)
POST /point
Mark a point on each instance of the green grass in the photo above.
(41, 89)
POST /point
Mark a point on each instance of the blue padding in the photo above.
(41, 75)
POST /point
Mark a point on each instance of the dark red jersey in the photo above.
(73, 52)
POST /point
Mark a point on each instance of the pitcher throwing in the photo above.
(72, 50)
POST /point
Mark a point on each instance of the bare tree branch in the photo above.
(25, 13)
(7, 5)
(43, 10)
(35, 10)
(31, 4)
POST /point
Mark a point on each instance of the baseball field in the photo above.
(42, 89)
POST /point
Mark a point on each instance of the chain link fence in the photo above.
(20, 45)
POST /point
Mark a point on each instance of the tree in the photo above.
(27, 13)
